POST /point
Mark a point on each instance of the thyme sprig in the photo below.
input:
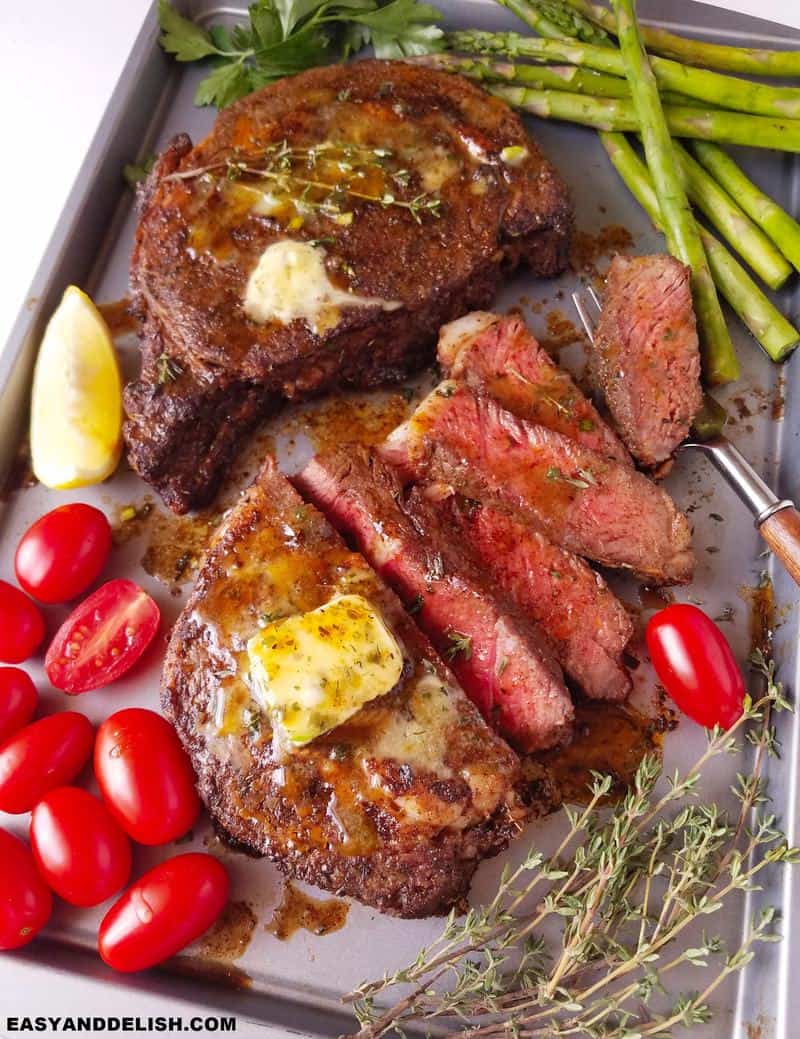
(625, 886)
(293, 174)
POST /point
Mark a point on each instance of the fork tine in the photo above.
(583, 314)
(594, 297)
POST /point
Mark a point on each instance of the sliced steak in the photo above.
(369, 284)
(501, 660)
(580, 500)
(499, 356)
(570, 602)
(395, 807)
(647, 354)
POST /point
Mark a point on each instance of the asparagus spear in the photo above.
(683, 238)
(683, 121)
(753, 60)
(714, 87)
(731, 221)
(573, 21)
(541, 77)
(775, 334)
(556, 20)
(776, 222)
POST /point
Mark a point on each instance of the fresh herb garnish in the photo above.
(303, 177)
(253, 720)
(416, 604)
(283, 37)
(459, 643)
(582, 481)
(134, 173)
(167, 369)
(622, 889)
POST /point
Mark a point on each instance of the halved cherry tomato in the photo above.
(145, 776)
(63, 552)
(163, 912)
(102, 638)
(42, 756)
(25, 902)
(21, 625)
(696, 665)
(18, 699)
(81, 852)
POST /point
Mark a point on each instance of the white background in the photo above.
(59, 61)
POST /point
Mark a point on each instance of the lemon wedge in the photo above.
(76, 408)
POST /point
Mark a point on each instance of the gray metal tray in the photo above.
(295, 985)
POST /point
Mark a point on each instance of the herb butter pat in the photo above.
(290, 283)
(315, 670)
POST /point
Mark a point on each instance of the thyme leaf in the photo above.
(167, 369)
(459, 643)
(302, 176)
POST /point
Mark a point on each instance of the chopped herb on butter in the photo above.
(315, 670)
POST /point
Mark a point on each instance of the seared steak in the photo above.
(647, 354)
(570, 602)
(499, 356)
(384, 187)
(501, 660)
(371, 809)
(580, 500)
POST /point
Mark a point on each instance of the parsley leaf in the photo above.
(284, 37)
(225, 84)
(403, 28)
(181, 37)
(135, 172)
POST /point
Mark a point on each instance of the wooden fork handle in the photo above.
(781, 531)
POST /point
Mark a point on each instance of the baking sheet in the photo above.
(297, 983)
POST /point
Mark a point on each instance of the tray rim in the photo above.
(16, 366)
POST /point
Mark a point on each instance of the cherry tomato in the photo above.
(102, 638)
(42, 756)
(163, 912)
(18, 699)
(145, 776)
(63, 552)
(81, 852)
(695, 664)
(21, 625)
(25, 902)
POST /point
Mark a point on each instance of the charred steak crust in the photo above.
(368, 810)
(196, 245)
(647, 356)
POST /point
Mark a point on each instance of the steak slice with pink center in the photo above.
(570, 602)
(580, 500)
(647, 355)
(499, 356)
(503, 662)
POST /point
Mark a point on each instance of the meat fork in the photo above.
(777, 519)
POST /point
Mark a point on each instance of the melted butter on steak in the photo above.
(418, 755)
(290, 283)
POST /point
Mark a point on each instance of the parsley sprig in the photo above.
(283, 37)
